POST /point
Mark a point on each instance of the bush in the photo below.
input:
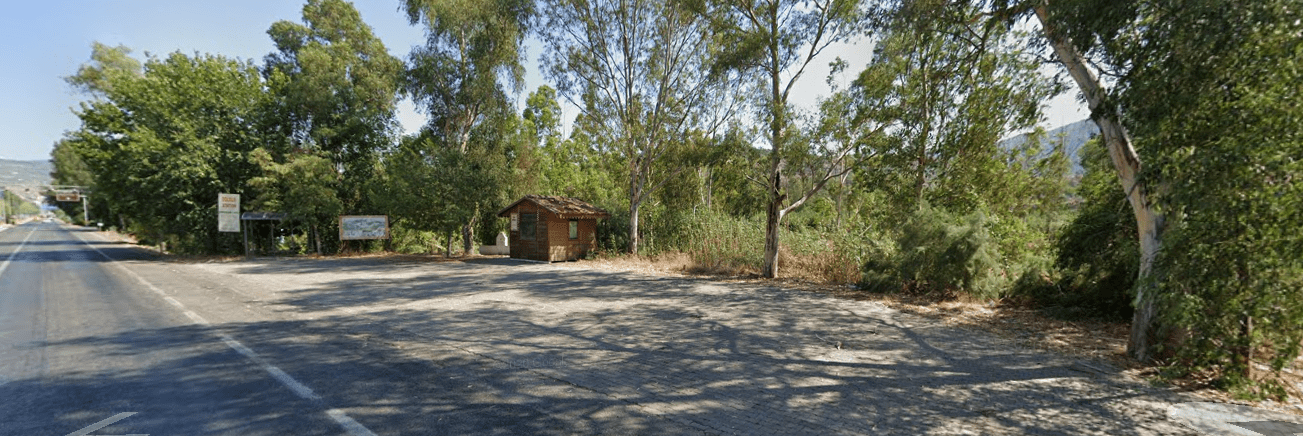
(1098, 255)
(942, 252)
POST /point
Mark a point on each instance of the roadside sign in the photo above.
(72, 196)
(228, 212)
(353, 227)
(228, 203)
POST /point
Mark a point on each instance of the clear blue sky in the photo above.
(41, 41)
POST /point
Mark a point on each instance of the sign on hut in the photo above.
(552, 229)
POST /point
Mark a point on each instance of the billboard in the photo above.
(67, 196)
(352, 227)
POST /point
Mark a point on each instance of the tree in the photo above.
(1219, 110)
(1072, 29)
(430, 187)
(107, 66)
(956, 89)
(162, 144)
(638, 69)
(565, 166)
(774, 38)
(304, 188)
(70, 170)
(1149, 219)
(455, 76)
(336, 88)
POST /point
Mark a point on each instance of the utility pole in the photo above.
(4, 201)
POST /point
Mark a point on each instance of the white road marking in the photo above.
(173, 302)
(353, 427)
(5, 265)
(349, 424)
(102, 424)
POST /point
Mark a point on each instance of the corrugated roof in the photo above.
(564, 207)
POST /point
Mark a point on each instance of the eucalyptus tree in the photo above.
(1213, 95)
(956, 90)
(470, 45)
(336, 88)
(773, 42)
(457, 76)
(639, 72)
(1204, 87)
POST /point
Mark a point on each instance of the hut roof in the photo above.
(564, 207)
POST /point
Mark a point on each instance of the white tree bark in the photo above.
(1149, 222)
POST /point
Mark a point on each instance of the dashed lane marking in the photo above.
(353, 427)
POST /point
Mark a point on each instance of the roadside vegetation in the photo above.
(1183, 218)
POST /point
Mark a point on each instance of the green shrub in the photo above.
(942, 252)
(1098, 255)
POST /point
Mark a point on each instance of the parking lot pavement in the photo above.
(701, 356)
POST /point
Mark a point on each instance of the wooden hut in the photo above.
(552, 229)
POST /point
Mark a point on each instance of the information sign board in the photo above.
(353, 227)
(228, 212)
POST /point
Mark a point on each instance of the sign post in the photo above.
(228, 212)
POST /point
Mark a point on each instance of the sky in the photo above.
(43, 41)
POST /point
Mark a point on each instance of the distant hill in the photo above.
(25, 177)
(1074, 136)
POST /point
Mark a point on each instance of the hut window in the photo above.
(574, 229)
(528, 221)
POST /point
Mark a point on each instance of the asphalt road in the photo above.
(101, 338)
(82, 341)
(87, 341)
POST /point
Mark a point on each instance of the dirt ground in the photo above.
(1028, 327)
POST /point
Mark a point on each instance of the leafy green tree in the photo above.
(1202, 86)
(336, 88)
(470, 46)
(164, 143)
(1076, 32)
(304, 188)
(71, 170)
(107, 66)
(568, 166)
(638, 70)
(956, 89)
(1074, 29)
(433, 188)
(1220, 109)
(776, 40)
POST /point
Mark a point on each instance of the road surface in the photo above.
(100, 338)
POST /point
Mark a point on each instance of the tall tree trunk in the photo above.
(316, 236)
(468, 233)
(634, 205)
(773, 219)
(777, 110)
(1149, 221)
